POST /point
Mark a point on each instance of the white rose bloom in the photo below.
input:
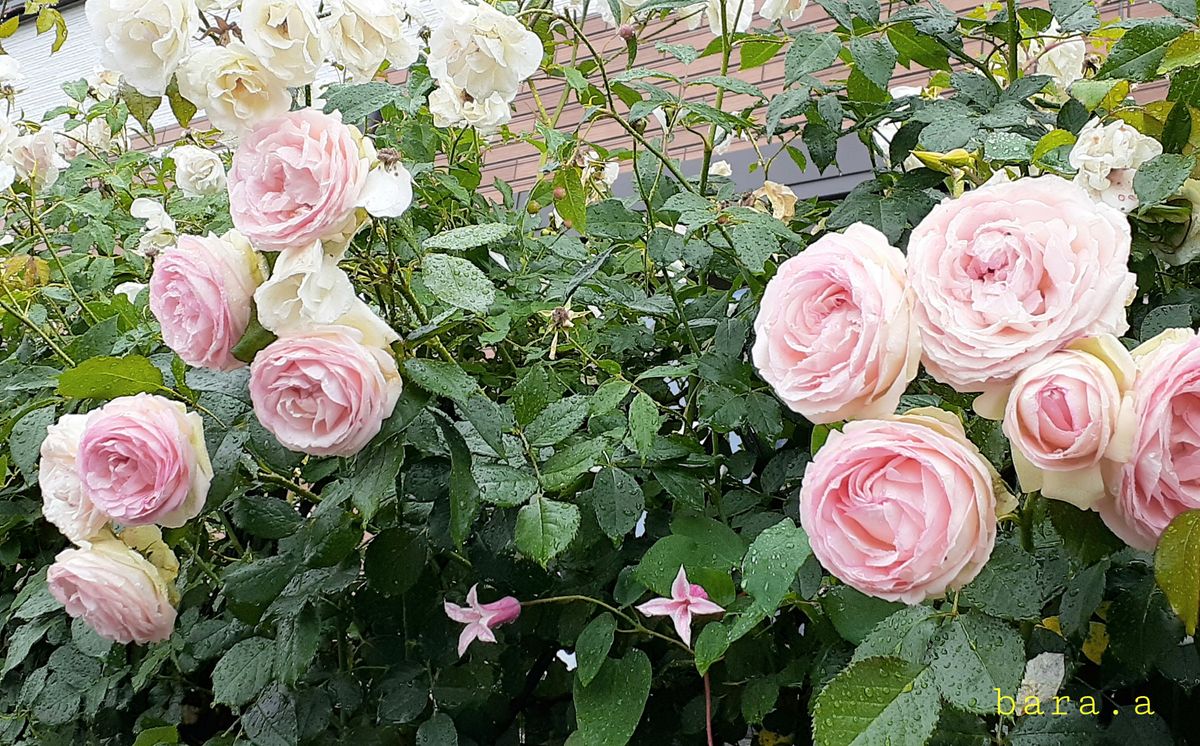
(450, 108)
(233, 87)
(8, 139)
(159, 232)
(130, 290)
(1107, 156)
(1189, 248)
(308, 289)
(36, 158)
(96, 135)
(720, 168)
(8, 134)
(10, 71)
(144, 40)
(481, 51)
(627, 10)
(156, 217)
(198, 172)
(388, 190)
(726, 140)
(286, 36)
(738, 14)
(63, 501)
(1060, 56)
(153, 243)
(783, 10)
(886, 130)
(596, 170)
(216, 6)
(364, 33)
(780, 197)
(104, 83)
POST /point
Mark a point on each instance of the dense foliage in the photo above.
(580, 414)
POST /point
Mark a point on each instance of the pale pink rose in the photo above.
(834, 335)
(481, 619)
(201, 292)
(120, 594)
(1162, 477)
(324, 393)
(902, 509)
(1012, 271)
(1069, 414)
(298, 178)
(142, 460)
(63, 500)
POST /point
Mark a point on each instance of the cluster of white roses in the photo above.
(737, 13)
(35, 153)
(1015, 290)
(252, 56)
(109, 479)
(479, 57)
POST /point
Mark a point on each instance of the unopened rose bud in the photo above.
(627, 32)
(559, 193)
(534, 207)
(567, 224)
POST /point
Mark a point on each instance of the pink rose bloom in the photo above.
(299, 178)
(63, 500)
(119, 593)
(687, 600)
(201, 293)
(834, 335)
(481, 619)
(902, 509)
(1162, 477)
(1069, 414)
(142, 460)
(1010, 272)
(324, 393)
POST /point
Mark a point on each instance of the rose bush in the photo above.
(320, 427)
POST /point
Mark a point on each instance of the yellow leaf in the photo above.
(1177, 567)
(1096, 642)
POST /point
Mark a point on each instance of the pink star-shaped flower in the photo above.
(687, 599)
(481, 619)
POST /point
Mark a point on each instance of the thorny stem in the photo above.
(37, 226)
(726, 50)
(279, 479)
(38, 330)
(1014, 40)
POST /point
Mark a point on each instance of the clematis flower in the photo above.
(687, 599)
(481, 619)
